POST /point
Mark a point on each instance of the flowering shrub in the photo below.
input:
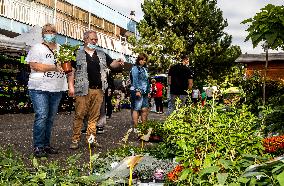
(273, 144)
(174, 174)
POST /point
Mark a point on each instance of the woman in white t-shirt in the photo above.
(209, 92)
(46, 84)
(195, 95)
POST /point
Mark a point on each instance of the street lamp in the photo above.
(265, 47)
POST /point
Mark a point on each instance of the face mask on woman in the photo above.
(49, 38)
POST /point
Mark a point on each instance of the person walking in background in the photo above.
(90, 75)
(108, 99)
(195, 95)
(180, 80)
(140, 90)
(153, 91)
(103, 112)
(158, 97)
(203, 97)
(209, 92)
(47, 82)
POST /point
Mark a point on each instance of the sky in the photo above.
(235, 11)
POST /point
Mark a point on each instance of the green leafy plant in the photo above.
(66, 53)
(14, 172)
(157, 127)
(206, 138)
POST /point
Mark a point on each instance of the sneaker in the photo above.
(95, 144)
(100, 130)
(74, 145)
(50, 150)
(83, 131)
(39, 152)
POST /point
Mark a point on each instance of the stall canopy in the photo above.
(10, 46)
(18, 45)
(31, 37)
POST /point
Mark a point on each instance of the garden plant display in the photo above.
(212, 146)
(274, 144)
(174, 174)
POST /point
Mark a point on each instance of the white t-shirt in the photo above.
(209, 92)
(195, 93)
(50, 81)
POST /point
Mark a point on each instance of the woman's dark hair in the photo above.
(141, 56)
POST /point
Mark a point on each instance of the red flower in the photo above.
(273, 144)
(173, 175)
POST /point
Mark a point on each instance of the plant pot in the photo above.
(67, 67)
(155, 138)
(146, 180)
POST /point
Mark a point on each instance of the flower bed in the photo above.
(274, 144)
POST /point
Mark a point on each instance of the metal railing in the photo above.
(32, 13)
(26, 12)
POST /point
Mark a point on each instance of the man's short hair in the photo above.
(87, 33)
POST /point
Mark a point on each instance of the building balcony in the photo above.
(34, 13)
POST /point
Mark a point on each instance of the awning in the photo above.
(11, 47)
(31, 37)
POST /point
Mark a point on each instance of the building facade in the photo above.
(71, 18)
(256, 62)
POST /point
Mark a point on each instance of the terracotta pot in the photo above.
(155, 138)
(67, 67)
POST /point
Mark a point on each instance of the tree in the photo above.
(171, 28)
(267, 26)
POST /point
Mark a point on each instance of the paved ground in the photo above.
(16, 130)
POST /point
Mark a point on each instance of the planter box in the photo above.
(155, 138)
(150, 184)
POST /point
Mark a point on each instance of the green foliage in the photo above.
(253, 93)
(14, 172)
(268, 26)
(66, 53)
(209, 139)
(157, 127)
(173, 28)
(12, 168)
(268, 173)
(273, 120)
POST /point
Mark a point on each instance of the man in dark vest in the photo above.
(88, 86)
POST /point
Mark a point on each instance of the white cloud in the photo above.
(237, 11)
(234, 11)
(125, 6)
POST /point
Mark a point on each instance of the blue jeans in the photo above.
(45, 106)
(172, 102)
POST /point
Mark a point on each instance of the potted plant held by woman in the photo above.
(65, 55)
